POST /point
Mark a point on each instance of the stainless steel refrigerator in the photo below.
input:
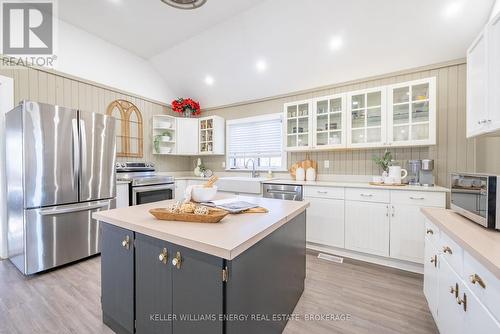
(60, 169)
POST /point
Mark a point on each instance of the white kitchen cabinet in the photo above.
(329, 122)
(325, 221)
(164, 134)
(411, 119)
(477, 319)
(477, 86)
(431, 269)
(298, 125)
(366, 126)
(122, 195)
(494, 73)
(211, 135)
(367, 227)
(406, 233)
(180, 189)
(450, 314)
(187, 136)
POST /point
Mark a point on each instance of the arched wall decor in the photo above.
(129, 128)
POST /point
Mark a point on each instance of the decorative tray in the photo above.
(213, 216)
(388, 185)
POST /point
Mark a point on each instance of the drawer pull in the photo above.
(463, 302)
(454, 290)
(429, 231)
(475, 278)
(447, 249)
(322, 192)
(417, 198)
(366, 195)
(434, 260)
(393, 210)
(163, 256)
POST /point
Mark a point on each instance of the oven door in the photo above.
(149, 194)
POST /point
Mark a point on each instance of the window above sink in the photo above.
(258, 139)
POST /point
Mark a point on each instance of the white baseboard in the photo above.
(384, 261)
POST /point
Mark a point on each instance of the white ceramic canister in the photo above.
(311, 174)
(300, 174)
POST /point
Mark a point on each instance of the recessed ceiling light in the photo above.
(261, 65)
(336, 43)
(209, 80)
(452, 9)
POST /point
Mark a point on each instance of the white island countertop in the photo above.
(227, 239)
(344, 184)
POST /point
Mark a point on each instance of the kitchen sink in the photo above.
(241, 184)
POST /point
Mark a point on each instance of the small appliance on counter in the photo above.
(414, 167)
(426, 177)
(477, 197)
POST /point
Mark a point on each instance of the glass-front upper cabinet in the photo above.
(367, 118)
(298, 125)
(329, 121)
(412, 113)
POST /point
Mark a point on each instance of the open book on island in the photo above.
(231, 205)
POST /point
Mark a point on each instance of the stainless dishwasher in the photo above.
(283, 191)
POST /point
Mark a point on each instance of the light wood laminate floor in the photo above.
(377, 299)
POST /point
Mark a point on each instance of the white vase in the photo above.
(300, 174)
(197, 171)
(311, 174)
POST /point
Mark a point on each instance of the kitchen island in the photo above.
(242, 275)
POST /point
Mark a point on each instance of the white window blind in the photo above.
(257, 138)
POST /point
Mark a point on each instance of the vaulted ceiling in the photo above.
(250, 49)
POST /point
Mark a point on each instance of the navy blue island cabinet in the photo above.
(154, 286)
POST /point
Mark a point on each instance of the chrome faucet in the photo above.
(254, 172)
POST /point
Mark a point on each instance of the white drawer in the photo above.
(489, 295)
(431, 232)
(368, 195)
(452, 252)
(324, 192)
(420, 198)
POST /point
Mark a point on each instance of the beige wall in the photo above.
(59, 89)
(453, 151)
(488, 155)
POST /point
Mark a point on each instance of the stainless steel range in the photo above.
(145, 185)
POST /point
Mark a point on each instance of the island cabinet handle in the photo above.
(366, 195)
(126, 242)
(417, 198)
(429, 231)
(322, 192)
(434, 260)
(447, 249)
(475, 278)
(463, 302)
(177, 260)
(454, 290)
(163, 257)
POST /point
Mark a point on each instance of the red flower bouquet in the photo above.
(187, 107)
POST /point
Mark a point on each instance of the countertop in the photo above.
(354, 185)
(481, 243)
(227, 239)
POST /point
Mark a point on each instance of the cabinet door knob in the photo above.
(447, 249)
(454, 290)
(126, 242)
(475, 278)
(429, 231)
(393, 210)
(163, 257)
(463, 302)
(177, 260)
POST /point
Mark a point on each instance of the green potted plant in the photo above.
(385, 161)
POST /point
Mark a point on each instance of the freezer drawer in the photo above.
(61, 234)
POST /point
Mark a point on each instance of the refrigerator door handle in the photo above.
(83, 207)
(76, 153)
